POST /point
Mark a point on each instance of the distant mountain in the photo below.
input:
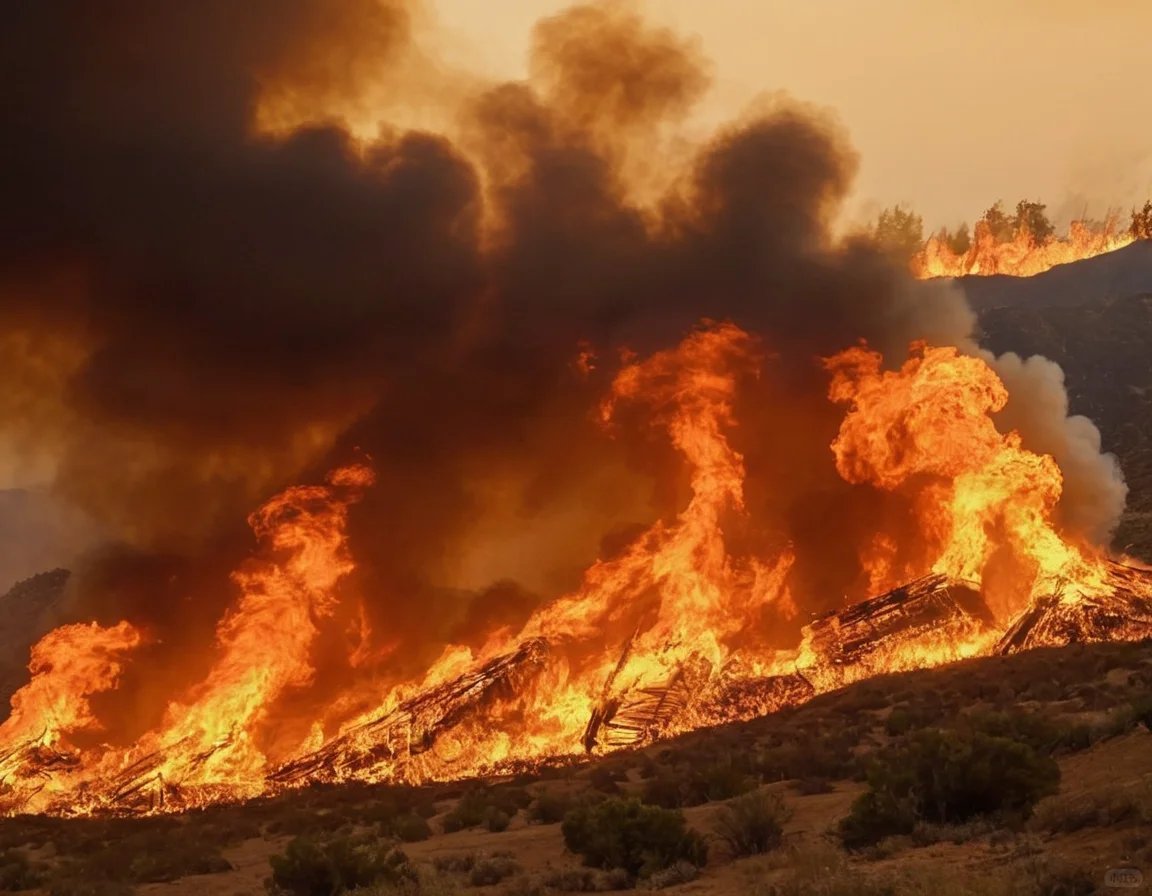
(1116, 275)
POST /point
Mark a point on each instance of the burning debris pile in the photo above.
(542, 520)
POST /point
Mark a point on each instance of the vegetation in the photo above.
(1030, 219)
(899, 232)
(627, 834)
(492, 871)
(1046, 702)
(1141, 226)
(311, 867)
(948, 777)
(958, 241)
(1104, 808)
(551, 806)
(487, 806)
(701, 780)
(821, 871)
(588, 880)
(753, 823)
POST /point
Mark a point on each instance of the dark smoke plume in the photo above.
(239, 306)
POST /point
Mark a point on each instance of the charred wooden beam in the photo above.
(1068, 617)
(386, 743)
(932, 604)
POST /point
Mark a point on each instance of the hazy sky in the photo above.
(951, 103)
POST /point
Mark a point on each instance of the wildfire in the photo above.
(928, 429)
(212, 736)
(658, 638)
(1022, 255)
(68, 665)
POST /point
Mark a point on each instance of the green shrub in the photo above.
(496, 820)
(490, 872)
(458, 864)
(753, 823)
(899, 721)
(1032, 729)
(306, 821)
(721, 781)
(811, 756)
(680, 873)
(177, 858)
(410, 828)
(948, 778)
(468, 813)
(877, 815)
(1140, 710)
(696, 782)
(665, 790)
(627, 834)
(1103, 808)
(476, 805)
(329, 868)
(140, 853)
(551, 806)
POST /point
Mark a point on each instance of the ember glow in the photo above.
(558, 426)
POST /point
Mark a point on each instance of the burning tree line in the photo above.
(1020, 243)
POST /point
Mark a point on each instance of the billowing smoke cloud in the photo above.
(1094, 488)
(248, 292)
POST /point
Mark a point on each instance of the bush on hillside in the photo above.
(311, 867)
(628, 834)
(753, 823)
(948, 777)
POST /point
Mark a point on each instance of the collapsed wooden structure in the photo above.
(405, 742)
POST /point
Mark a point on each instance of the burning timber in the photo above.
(394, 744)
(1067, 617)
(927, 622)
(933, 620)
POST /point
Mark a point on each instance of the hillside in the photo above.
(1087, 709)
(1088, 706)
(1125, 272)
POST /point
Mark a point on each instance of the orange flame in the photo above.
(660, 638)
(1021, 256)
(674, 598)
(265, 641)
(927, 429)
(68, 665)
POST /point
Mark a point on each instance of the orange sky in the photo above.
(951, 103)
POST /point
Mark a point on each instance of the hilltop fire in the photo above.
(1022, 255)
(665, 636)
